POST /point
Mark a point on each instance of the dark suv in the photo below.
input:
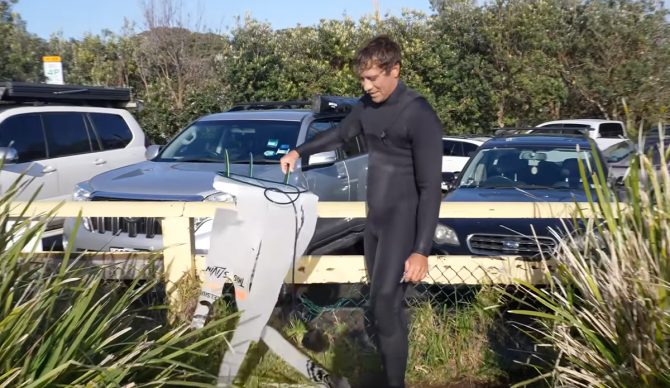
(517, 187)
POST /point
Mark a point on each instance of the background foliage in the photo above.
(481, 64)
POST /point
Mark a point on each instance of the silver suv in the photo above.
(59, 135)
(252, 138)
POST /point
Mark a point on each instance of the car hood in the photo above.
(515, 195)
(171, 180)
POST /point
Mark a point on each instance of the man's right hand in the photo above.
(287, 162)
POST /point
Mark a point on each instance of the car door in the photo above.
(330, 182)
(337, 235)
(354, 154)
(25, 134)
(113, 135)
(70, 149)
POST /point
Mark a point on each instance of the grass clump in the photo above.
(452, 343)
(63, 323)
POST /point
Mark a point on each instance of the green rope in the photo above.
(313, 310)
(251, 165)
(227, 164)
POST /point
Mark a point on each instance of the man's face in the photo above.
(378, 83)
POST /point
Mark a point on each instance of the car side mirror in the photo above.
(448, 180)
(152, 151)
(8, 154)
(616, 183)
(322, 158)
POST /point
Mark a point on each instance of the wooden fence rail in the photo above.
(179, 256)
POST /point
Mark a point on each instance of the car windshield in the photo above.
(263, 141)
(526, 168)
(619, 151)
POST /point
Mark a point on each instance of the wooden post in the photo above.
(178, 259)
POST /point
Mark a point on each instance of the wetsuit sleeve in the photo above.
(333, 138)
(425, 130)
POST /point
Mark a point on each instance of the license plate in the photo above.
(113, 249)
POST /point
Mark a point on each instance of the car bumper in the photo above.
(332, 236)
(84, 239)
(528, 238)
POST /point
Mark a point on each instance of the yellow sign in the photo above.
(52, 58)
(53, 69)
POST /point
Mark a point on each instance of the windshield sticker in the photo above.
(272, 143)
(283, 149)
(269, 153)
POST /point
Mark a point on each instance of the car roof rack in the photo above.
(264, 105)
(323, 104)
(548, 130)
(467, 136)
(36, 93)
(320, 104)
(509, 131)
(562, 130)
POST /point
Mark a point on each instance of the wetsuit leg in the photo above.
(369, 251)
(393, 245)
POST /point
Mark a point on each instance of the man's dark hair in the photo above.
(381, 51)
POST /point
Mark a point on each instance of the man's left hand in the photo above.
(416, 268)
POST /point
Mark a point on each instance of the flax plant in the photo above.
(605, 312)
(63, 324)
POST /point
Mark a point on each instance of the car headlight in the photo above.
(216, 197)
(221, 197)
(445, 235)
(82, 192)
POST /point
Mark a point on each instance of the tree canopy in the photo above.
(481, 65)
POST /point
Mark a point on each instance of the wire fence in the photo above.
(349, 301)
(446, 287)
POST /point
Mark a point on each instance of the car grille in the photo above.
(134, 226)
(500, 244)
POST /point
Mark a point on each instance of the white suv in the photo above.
(60, 135)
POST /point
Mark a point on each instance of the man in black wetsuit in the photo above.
(404, 138)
